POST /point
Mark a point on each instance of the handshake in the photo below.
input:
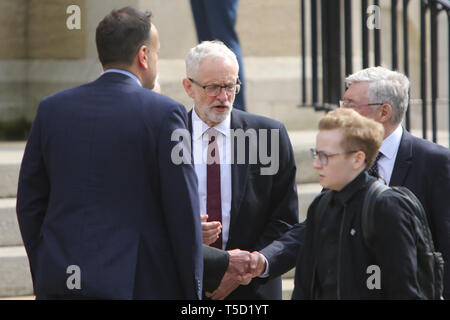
(243, 266)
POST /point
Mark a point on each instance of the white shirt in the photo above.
(125, 73)
(389, 149)
(200, 140)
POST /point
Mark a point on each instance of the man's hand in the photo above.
(257, 264)
(239, 263)
(210, 230)
(242, 267)
(237, 273)
(246, 265)
(228, 284)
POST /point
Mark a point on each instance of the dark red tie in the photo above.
(213, 198)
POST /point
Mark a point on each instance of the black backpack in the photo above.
(430, 265)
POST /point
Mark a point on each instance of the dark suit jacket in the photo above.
(98, 189)
(263, 207)
(424, 168)
(215, 265)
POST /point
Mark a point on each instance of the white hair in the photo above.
(385, 86)
(207, 49)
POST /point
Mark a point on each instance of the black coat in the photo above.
(393, 250)
(421, 166)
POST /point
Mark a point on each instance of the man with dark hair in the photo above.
(120, 35)
(103, 210)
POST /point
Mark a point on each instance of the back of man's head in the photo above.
(385, 86)
(120, 34)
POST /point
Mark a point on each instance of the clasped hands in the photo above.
(243, 265)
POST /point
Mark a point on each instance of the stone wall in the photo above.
(40, 56)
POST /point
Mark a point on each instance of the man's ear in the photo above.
(187, 84)
(359, 160)
(142, 57)
(385, 113)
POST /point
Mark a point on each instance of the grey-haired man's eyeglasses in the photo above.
(345, 104)
(213, 90)
(323, 156)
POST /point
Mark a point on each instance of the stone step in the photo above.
(302, 142)
(11, 154)
(15, 277)
(306, 194)
(10, 233)
(287, 286)
(9, 228)
(19, 298)
(290, 274)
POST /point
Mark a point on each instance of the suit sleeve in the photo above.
(215, 265)
(282, 254)
(284, 197)
(440, 212)
(33, 191)
(180, 206)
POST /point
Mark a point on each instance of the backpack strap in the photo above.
(420, 213)
(367, 216)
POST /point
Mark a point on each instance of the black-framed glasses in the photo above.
(323, 156)
(213, 90)
(344, 104)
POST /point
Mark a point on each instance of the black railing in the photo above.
(330, 77)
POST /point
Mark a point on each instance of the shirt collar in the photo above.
(127, 73)
(390, 145)
(199, 127)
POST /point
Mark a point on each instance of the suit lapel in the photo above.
(190, 121)
(402, 161)
(239, 174)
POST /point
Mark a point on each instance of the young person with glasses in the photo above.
(333, 261)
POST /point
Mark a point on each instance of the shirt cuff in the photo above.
(265, 274)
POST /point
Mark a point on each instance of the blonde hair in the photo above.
(359, 132)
